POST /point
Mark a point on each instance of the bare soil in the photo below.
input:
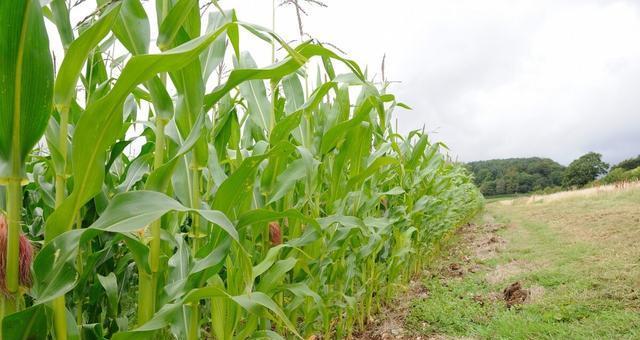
(390, 323)
(475, 244)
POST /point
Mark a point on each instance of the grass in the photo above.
(495, 198)
(581, 254)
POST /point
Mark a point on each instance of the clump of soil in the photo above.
(479, 299)
(514, 294)
(455, 270)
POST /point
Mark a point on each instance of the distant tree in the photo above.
(619, 175)
(525, 182)
(488, 188)
(500, 187)
(516, 175)
(556, 177)
(584, 170)
(627, 164)
(484, 175)
(615, 175)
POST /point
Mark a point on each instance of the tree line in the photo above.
(535, 174)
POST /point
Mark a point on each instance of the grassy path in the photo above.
(578, 258)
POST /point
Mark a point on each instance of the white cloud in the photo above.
(497, 78)
(493, 78)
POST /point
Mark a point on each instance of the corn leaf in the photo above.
(26, 79)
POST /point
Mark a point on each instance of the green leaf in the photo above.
(293, 92)
(275, 71)
(101, 124)
(253, 301)
(60, 14)
(301, 289)
(418, 152)
(161, 319)
(234, 34)
(255, 93)
(266, 334)
(295, 171)
(26, 78)
(256, 216)
(284, 126)
(139, 251)
(54, 270)
(337, 133)
(135, 172)
(77, 54)
(173, 22)
(371, 170)
(268, 261)
(237, 187)
(273, 278)
(214, 55)
(160, 177)
(190, 87)
(30, 323)
(110, 285)
(133, 210)
(132, 26)
(160, 98)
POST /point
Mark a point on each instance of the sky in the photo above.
(492, 78)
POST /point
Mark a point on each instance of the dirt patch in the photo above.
(477, 243)
(535, 294)
(486, 243)
(494, 296)
(502, 272)
(389, 324)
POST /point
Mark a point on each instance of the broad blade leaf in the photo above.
(26, 80)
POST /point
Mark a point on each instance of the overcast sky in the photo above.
(491, 78)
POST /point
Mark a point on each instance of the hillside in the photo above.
(516, 175)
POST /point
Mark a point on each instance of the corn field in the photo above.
(181, 191)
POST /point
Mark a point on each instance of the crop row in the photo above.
(167, 194)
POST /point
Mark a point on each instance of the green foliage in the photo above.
(584, 170)
(174, 238)
(26, 89)
(620, 175)
(26, 79)
(516, 175)
(544, 176)
(628, 164)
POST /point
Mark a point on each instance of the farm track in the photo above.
(566, 269)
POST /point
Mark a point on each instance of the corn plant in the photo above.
(26, 78)
(189, 193)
